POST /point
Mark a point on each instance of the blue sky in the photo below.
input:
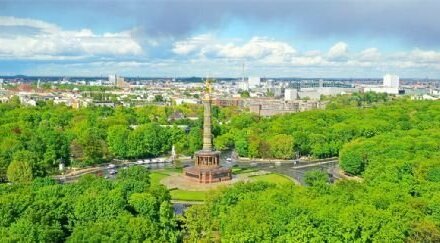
(274, 38)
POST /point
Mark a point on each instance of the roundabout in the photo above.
(183, 188)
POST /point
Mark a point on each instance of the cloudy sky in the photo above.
(274, 38)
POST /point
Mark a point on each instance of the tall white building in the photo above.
(254, 82)
(243, 85)
(112, 78)
(391, 80)
(115, 79)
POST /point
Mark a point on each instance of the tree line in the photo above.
(322, 133)
(37, 139)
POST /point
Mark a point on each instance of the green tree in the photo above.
(244, 94)
(316, 178)
(117, 140)
(146, 205)
(20, 170)
(194, 140)
(281, 146)
(158, 98)
(354, 158)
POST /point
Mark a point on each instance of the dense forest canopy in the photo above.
(398, 199)
(38, 138)
(127, 209)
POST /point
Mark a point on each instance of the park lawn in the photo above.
(272, 178)
(171, 170)
(176, 194)
(183, 195)
(157, 175)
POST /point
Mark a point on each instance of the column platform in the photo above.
(207, 168)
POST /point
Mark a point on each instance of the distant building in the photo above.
(243, 85)
(254, 82)
(27, 101)
(309, 93)
(391, 85)
(120, 83)
(333, 91)
(75, 104)
(435, 92)
(378, 89)
(112, 78)
(424, 97)
(180, 101)
(391, 80)
(95, 83)
(224, 102)
(290, 94)
(104, 104)
(266, 107)
(117, 81)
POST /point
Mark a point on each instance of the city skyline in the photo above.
(340, 39)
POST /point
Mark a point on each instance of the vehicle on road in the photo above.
(111, 166)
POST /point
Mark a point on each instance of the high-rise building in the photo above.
(254, 82)
(391, 80)
(118, 81)
(243, 85)
(112, 78)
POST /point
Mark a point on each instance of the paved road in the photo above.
(293, 169)
(104, 170)
(297, 170)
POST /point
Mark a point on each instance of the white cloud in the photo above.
(338, 52)
(270, 53)
(51, 42)
(92, 53)
(256, 48)
(370, 55)
(38, 24)
(421, 56)
(191, 45)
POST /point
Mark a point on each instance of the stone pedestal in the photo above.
(207, 168)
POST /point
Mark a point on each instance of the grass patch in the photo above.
(237, 171)
(272, 178)
(157, 175)
(176, 194)
(182, 195)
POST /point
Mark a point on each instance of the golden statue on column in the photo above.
(207, 167)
